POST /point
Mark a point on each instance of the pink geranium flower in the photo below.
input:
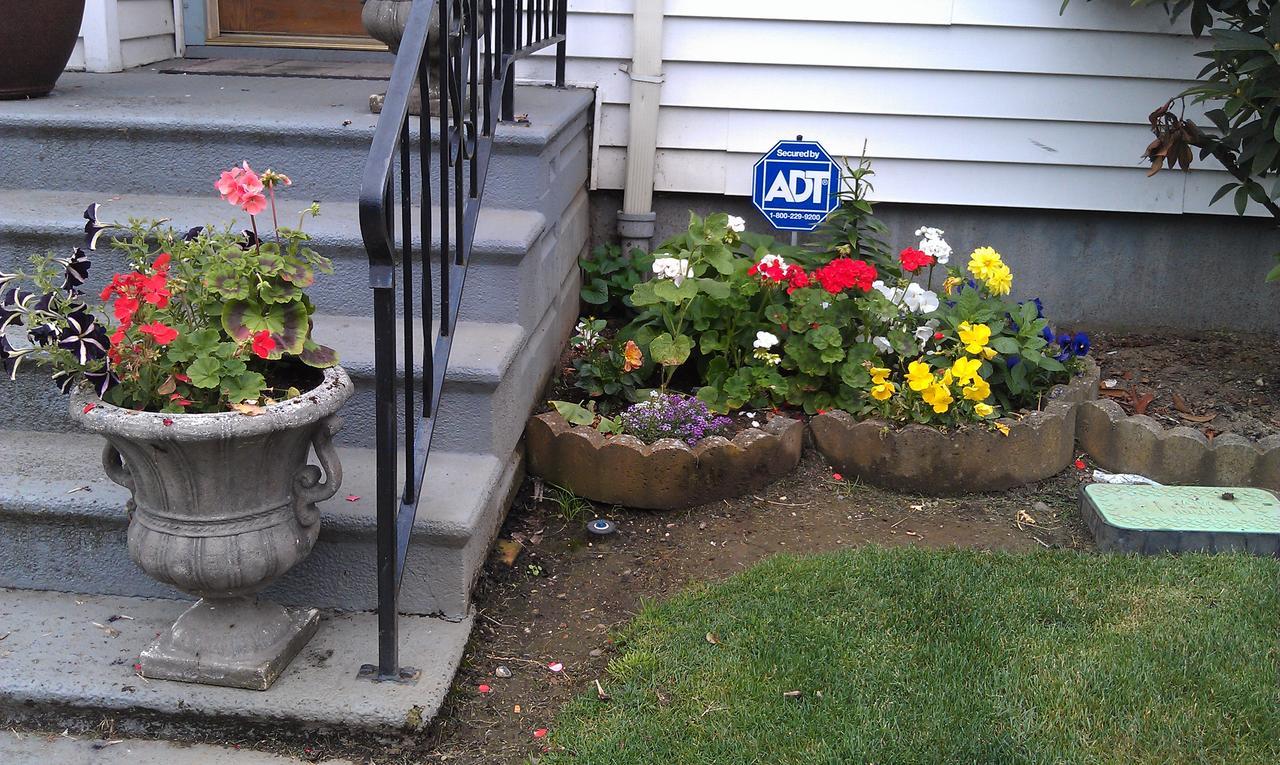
(241, 186)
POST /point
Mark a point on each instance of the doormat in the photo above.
(1171, 519)
(247, 67)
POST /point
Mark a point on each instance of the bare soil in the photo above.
(1216, 382)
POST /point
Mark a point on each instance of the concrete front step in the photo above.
(63, 527)
(145, 132)
(29, 748)
(512, 248)
(495, 374)
(55, 661)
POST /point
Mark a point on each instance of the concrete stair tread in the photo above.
(54, 655)
(144, 100)
(59, 480)
(56, 214)
(482, 352)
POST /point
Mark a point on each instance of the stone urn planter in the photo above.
(222, 505)
(385, 22)
(1123, 443)
(667, 474)
(926, 460)
(36, 40)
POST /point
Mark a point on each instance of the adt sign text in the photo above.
(796, 185)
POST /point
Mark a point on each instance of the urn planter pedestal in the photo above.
(222, 505)
(931, 461)
(667, 474)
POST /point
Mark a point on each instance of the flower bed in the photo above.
(1139, 444)
(668, 474)
(927, 460)
(909, 340)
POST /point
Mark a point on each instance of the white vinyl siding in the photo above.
(968, 102)
(120, 34)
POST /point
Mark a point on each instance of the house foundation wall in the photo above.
(1093, 270)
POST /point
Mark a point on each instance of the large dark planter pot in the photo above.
(667, 474)
(930, 461)
(36, 40)
(222, 505)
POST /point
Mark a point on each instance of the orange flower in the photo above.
(632, 357)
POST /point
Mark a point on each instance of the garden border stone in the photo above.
(1123, 443)
(926, 460)
(667, 474)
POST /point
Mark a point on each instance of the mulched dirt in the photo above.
(1216, 382)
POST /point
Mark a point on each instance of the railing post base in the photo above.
(406, 675)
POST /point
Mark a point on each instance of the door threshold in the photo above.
(280, 67)
(296, 41)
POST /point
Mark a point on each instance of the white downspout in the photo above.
(636, 219)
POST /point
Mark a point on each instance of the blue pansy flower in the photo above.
(1080, 345)
(1047, 334)
(1012, 361)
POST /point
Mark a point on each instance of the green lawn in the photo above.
(948, 657)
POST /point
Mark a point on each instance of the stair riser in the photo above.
(338, 574)
(121, 160)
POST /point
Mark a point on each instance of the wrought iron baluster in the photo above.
(473, 95)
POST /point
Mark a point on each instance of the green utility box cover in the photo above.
(1160, 519)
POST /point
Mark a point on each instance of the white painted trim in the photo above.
(179, 30)
(101, 32)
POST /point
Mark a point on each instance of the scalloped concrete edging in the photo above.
(926, 460)
(1124, 443)
(667, 474)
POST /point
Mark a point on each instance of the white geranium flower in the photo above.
(925, 331)
(892, 294)
(882, 344)
(765, 340)
(919, 299)
(933, 245)
(675, 269)
(825, 305)
(737, 224)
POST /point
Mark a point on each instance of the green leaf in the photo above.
(595, 292)
(1222, 192)
(642, 294)
(287, 322)
(667, 290)
(1242, 199)
(246, 386)
(716, 290)
(670, 351)
(1007, 345)
(1274, 274)
(574, 414)
(318, 356)
(205, 373)
(1234, 39)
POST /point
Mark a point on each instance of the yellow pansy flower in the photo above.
(918, 375)
(974, 336)
(1000, 426)
(951, 283)
(878, 374)
(983, 261)
(883, 390)
(984, 410)
(938, 396)
(965, 369)
(980, 390)
(1000, 280)
(988, 353)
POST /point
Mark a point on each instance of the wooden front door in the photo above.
(313, 18)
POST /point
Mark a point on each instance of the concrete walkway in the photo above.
(36, 749)
(77, 652)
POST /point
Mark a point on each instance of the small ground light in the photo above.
(602, 527)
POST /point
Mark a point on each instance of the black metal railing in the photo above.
(478, 44)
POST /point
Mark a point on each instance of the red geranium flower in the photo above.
(845, 273)
(159, 332)
(796, 279)
(125, 308)
(913, 260)
(263, 344)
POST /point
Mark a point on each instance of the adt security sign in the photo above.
(796, 185)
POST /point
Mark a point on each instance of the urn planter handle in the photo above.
(113, 465)
(308, 489)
